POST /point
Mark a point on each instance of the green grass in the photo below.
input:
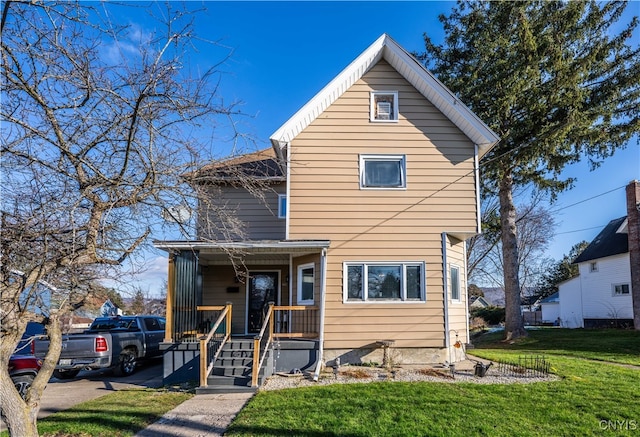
(591, 398)
(598, 394)
(122, 413)
(615, 346)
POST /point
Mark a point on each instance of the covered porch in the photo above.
(261, 301)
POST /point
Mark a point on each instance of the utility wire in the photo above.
(579, 230)
(586, 200)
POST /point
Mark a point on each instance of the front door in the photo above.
(263, 288)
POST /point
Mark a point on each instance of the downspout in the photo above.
(445, 280)
(476, 169)
(323, 293)
(466, 290)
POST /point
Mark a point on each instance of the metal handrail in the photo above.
(206, 364)
(258, 354)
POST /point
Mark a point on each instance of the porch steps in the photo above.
(233, 369)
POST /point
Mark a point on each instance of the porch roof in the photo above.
(220, 251)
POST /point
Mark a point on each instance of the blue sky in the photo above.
(282, 53)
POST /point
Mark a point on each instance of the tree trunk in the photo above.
(514, 325)
(21, 420)
(21, 416)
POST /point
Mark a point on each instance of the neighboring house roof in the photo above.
(612, 240)
(414, 72)
(554, 298)
(479, 302)
(262, 164)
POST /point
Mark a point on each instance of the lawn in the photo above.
(598, 394)
(122, 413)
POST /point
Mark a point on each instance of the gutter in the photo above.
(445, 280)
(323, 294)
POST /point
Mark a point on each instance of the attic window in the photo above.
(593, 267)
(384, 106)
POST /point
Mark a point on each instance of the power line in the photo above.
(580, 230)
(585, 200)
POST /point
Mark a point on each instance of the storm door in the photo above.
(263, 288)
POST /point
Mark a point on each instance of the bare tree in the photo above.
(536, 227)
(99, 130)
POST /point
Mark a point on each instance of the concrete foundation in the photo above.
(395, 356)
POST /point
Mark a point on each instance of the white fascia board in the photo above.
(247, 245)
(414, 72)
(624, 227)
(329, 94)
(441, 97)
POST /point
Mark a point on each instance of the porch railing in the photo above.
(261, 343)
(297, 321)
(212, 343)
(282, 321)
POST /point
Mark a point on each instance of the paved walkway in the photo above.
(205, 415)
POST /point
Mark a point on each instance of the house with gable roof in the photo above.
(357, 251)
(600, 296)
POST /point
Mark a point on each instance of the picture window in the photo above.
(376, 282)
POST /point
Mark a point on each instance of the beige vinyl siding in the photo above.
(457, 309)
(258, 218)
(405, 225)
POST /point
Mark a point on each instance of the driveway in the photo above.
(62, 394)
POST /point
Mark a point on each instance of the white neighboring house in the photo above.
(550, 308)
(600, 296)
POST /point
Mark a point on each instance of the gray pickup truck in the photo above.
(110, 342)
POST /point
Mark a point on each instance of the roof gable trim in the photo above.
(414, 72)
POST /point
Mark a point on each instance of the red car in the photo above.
(23, 364)
(23, 369)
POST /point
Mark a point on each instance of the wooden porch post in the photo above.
(203, 361)
(171, 286)
(228, 321)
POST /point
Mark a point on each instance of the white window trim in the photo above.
(593, 267)
(403, 170)
(451, 298)
(282, 214)
(403, 298)
(302, 267)
(372, 106)
(613, 289)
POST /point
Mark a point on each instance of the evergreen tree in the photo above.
(560, 272)
(556, 80)
(137, 304)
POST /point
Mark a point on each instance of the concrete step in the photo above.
(225, 389)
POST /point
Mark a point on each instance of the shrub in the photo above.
(491, 315)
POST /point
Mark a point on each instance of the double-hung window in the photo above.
(384, 281)
(621, 289)
(306, 281)
(383, 171)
